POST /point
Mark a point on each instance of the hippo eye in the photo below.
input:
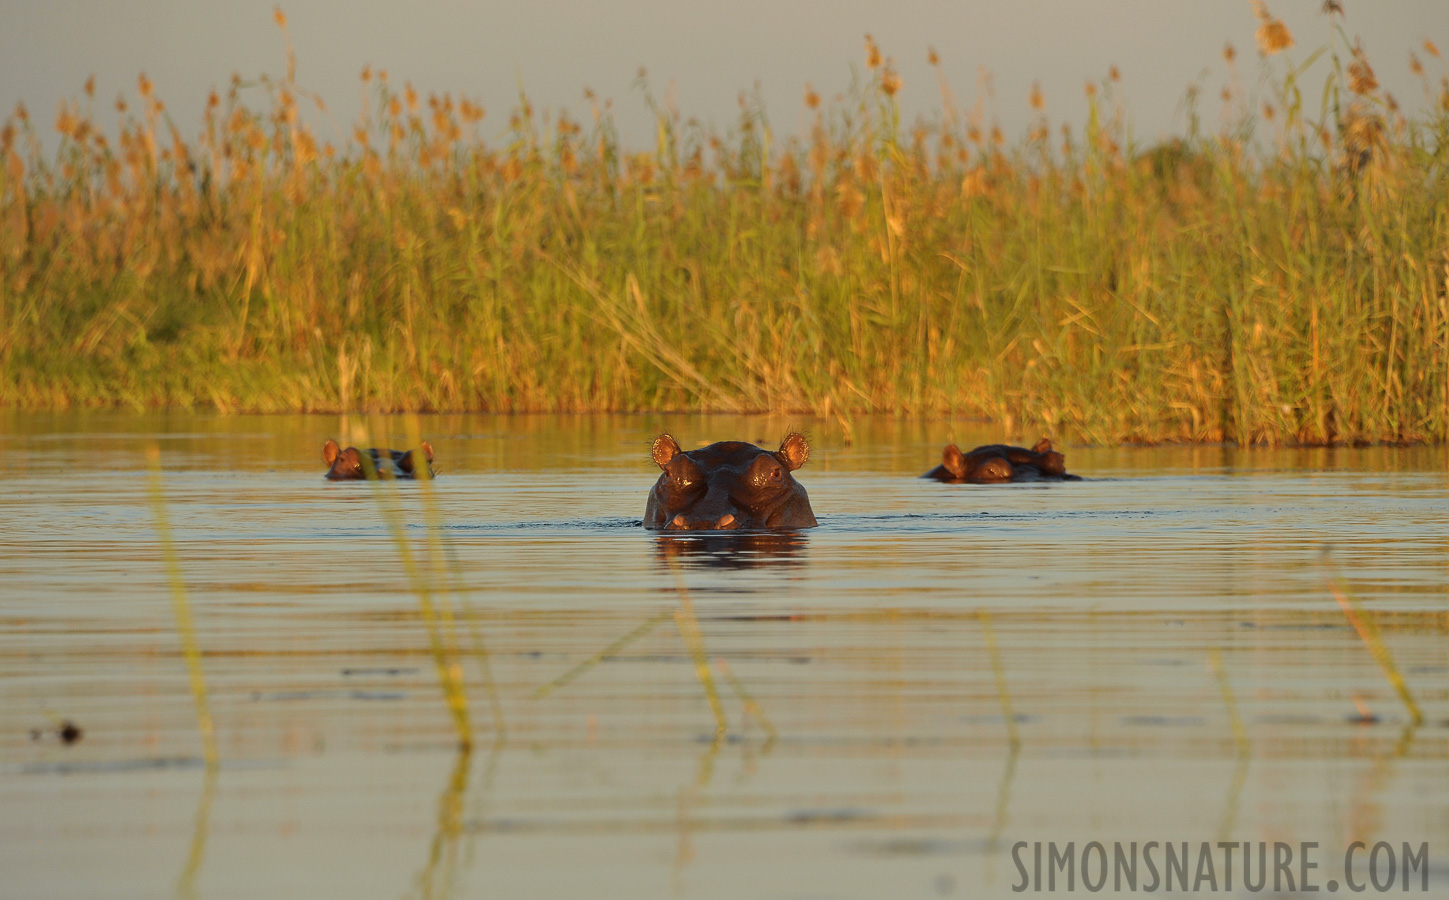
(684, 477)
(765, 475)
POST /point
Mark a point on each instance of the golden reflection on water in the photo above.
(931, 675)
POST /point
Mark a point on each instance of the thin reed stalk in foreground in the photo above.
(1240, 732)
(1368, 632)
(1240, 738)
(613, 649)
(752, 706)
(439, 873)
(185, 628)
(998, 670)
(445, 569)
(200, 831)
(440, 638)
(689, 631)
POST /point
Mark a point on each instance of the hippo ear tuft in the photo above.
(1042, 446)
(954, 460)
(794, 450)
(427, 450)
(665, 449)
(330, 451)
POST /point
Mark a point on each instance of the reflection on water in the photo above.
(732, 549)
(931, 675)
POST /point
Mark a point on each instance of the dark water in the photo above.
(933, 674)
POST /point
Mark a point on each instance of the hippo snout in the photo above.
(681, 522)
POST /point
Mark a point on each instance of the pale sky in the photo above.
(701, 54)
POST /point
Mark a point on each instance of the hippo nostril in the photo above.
(725, 521)
(679, 521)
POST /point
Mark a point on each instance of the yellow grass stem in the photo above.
(201, 828)
(999, 671)
(689, 796)
(1368, 632)
(689, 631)
(608, 652)
(445, 569)
(182, 609)
(1000, 816)
(752, 706)
(1240, 733)
(485, 661)
(450, 674)
(1240, 738)
(480, 647)
(438, 874)
(1234, 797)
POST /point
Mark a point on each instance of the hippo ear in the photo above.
(665, 449)
(427, 450)
(954, 460)
(1042, 446)
(330, 451)
(794, 450)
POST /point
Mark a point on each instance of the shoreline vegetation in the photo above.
(1278, 279)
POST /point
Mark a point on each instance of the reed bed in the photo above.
(1278, 279)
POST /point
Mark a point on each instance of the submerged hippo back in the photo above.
(728, 485)
(998, 463)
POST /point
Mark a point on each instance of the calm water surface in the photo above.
(933, 674)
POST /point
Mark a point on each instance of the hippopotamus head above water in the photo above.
(999, 463)
(348, 465)
(727, 486)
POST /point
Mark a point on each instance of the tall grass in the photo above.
(1279, 279)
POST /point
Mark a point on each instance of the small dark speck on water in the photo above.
(811, 816)
(1161, 720)
(920, 846)
(1289, 720)
(68, 732)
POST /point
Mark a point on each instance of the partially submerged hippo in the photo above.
(728, 486)
(348, 464)
(999, 463)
